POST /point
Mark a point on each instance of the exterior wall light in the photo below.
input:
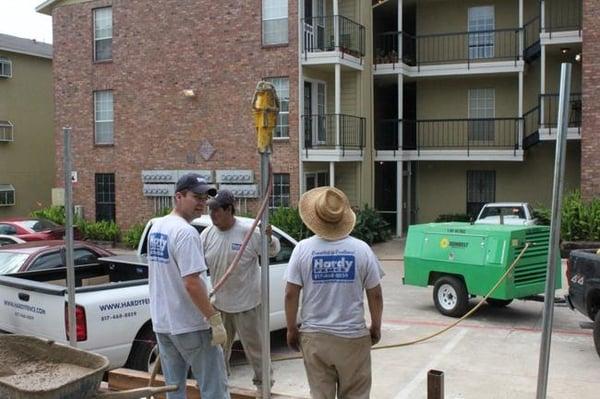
(189, 93)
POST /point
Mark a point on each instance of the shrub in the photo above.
(101, 231)
(55, 214)
(370, 226)
(542, 214)
(580, 220)
(288, 220)
(132, 237)
(453, 217)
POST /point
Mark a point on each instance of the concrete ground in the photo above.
(494, 354)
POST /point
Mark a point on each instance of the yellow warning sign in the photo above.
(444, 243)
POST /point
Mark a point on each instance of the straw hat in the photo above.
(326, 211)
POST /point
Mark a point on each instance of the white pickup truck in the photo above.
(513, 213)
(113, 316)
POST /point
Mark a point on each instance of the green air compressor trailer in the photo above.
(462, 260)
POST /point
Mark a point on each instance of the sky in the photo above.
(18, 18)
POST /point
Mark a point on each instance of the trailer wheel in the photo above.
(597, 332)
(498, 303)
(144, 351)
(450, 296)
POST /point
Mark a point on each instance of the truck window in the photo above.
(47, 261)
(286, 250)
(82, 256)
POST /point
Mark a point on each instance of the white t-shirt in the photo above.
(333, 276)
(174, 251)
(241, 291)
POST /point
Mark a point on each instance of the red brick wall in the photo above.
(590, 136)
(159, 49)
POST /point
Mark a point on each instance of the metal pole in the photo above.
(435, 384)
(559, 172)
(69, 238)
(264, 273)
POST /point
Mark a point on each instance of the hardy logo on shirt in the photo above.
(333, 268)
(158, 251)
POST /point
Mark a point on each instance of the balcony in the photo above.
(449, 139)
(321, 45)
(541, 121)
(333, 137)
(6, 131)
(449, 53)
(563, 20)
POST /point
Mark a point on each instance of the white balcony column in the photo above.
(336, 25)
(542, 16)
(400, 27)
(332, 174)
(542, 84)
(521, 32)
(521, 122)
(338, 103)
(400, 109)
(399, 199)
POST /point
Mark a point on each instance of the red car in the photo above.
(41, 255)
(32, 229)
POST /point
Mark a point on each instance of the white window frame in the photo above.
(5, 68)
(5, 189)
(98, 121)
(97, 17)
(277, 200)
(482, 104)
(481, 45)
(319, 125)
(315, 175)
(269, 14)
(7, 126)
(282, 130)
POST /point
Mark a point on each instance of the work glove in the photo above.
(219, 335)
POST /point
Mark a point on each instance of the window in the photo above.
(482, 108)
(316, 179)
(5, 68)
(103, 117)
(284, 254)
(6, 131)
(103, 34)
(481, 45)
(282, 85)
(83, 256)
(7, 229)
(7, 195)
(47, 261)
(275, 21)
(481, 189)
(281, 190)
(105, 196)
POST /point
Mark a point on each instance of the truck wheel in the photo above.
(144, 350)
(597, 332)
(450, 296)
(498, 303)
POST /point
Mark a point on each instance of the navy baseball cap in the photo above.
(195, 183)
(223, 198)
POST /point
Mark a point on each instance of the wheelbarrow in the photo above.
(34, 368)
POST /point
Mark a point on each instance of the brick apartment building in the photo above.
(415, 107)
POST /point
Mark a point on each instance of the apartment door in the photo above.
(409, 113)
(481, 189)
(316, 122)
(482, 111)
(316, 179)
(481, 36)
(314, 20)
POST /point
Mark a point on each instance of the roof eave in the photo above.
(46, 7)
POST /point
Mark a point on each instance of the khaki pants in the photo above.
(248, 328)
(337, 364)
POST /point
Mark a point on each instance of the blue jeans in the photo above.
(179, 352)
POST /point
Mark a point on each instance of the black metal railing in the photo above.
(549, 111)
(531, 125)
(469, 47)
(320, 131)
(451, 134)
(319, 35)
(563, 15)
(531, 32)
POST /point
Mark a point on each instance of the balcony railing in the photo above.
(469, 47)
(6, 131)
(531, 32)
(449, 134)
(549, 111)
(319, 35)
(563, 15)
(321, 131)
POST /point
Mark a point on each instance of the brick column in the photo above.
(590, 136)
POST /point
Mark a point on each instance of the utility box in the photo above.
(462, 260)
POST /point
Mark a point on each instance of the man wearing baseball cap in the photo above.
(238, 300)
(333, 270)
(188, 329)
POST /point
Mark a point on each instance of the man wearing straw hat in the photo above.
(333, 270)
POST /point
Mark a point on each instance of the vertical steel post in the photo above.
(69, 237)
(264, 274)
(559, 172)
(435, 384)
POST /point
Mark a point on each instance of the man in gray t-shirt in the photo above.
(333, 270)
(189, 331)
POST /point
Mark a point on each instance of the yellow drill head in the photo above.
(265, 108)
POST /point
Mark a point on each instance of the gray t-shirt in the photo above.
(241, 291)
(333, 276)
(174, 251)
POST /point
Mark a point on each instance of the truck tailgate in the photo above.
(30, 307)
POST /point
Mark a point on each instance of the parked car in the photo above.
(32, 229)
(8, 240)
(513, 213)
(40, 255)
